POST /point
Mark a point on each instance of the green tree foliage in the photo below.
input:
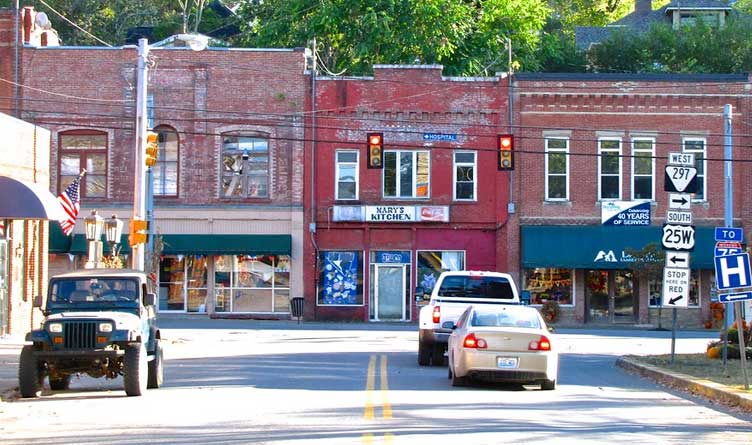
(467, 37)
(698, 48)
(573, 13)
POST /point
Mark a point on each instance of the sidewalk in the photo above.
(10, 349)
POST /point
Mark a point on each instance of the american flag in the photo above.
(69, 200)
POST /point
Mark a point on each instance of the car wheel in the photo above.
(156, 368)
(458, 381)
(437, 358)
(30, 376)
(548, 385)
(135, 372)
(60, 384)
(424, 354)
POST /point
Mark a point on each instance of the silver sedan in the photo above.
(502, 343)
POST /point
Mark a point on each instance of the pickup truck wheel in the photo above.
(438, 354)
(135, 372)
(156, 368)
(424, 354)
(60, 384)
(30, 376)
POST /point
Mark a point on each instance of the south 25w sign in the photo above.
(676, 237)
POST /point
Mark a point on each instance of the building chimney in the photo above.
(643, 6)
(28, 23)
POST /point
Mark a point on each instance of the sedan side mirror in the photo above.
(449, 325)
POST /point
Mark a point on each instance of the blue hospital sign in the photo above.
(732, 271)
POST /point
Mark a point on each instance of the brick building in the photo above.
(590, 140)
(438, 203)
(227, 189)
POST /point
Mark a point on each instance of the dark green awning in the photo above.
(227, 244)
(602, 247)
(59, 243)
(79, 245)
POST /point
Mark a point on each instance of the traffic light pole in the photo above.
(139, 188)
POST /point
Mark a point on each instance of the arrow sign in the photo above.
(679, 201)
(677, 259)
(679, 178)
(675, 287)
(673, 301)
(730, 298)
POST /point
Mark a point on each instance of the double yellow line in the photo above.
(371, 393)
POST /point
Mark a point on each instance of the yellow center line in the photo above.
(387, 413)
(368, 413)
(370, 385)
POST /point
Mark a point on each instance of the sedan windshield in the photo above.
(93, 291)
(520, 319)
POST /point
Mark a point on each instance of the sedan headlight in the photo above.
(55, 327)
(105, 327)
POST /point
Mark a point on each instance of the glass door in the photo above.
(610, 296)
(597, 296)
(624, 297)
(390, 292)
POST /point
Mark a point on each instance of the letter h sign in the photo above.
(732, 271)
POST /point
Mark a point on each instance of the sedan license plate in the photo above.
(506, 362)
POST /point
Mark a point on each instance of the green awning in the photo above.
(602, 247)
(227, 244)
(79, 245)
(59, 243)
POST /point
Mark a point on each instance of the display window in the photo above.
(252, 283)
(341, 278)
(549, 283)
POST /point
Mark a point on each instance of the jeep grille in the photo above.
(80, 334)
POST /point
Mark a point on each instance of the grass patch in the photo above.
(700, 366)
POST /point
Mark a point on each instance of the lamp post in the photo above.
(113, 230)
(93, 225)
(196, 43)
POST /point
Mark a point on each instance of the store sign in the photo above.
(625, 213)
(392, 257)
(348, 213)
(390, 213)
(433, 213)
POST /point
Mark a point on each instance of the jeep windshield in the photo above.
(91, 293)
(476, 286)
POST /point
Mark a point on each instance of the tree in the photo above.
(467, 37)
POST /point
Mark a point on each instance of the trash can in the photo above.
(296, 307)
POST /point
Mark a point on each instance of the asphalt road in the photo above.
(236, 382)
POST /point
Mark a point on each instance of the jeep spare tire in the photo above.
(135, 372)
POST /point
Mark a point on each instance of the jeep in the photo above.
(100, 322)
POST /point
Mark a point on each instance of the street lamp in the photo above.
(113, 230)
(195, 42)
(93, 225)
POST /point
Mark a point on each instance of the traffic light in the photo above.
(152, 148)
(375, 150)
(506, 152)
(138, 235)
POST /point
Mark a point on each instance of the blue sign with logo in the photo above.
(439, 137)
(393, 257)
(729, 234)
(625, 213)
(732, 271)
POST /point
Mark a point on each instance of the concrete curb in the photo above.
(712, 391)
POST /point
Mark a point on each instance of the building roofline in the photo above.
(645, 77)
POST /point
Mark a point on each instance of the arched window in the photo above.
(165, 172)
(81, 149)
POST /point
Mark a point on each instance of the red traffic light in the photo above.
(375, 138)
(506, 152)
(375, 150)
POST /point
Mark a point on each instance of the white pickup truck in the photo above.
(453, 293)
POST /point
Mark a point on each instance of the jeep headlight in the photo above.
(55, 327)
(105, 327)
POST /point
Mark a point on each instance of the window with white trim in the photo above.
(347, 175)
(643, 168)
(609, 169)
(557, 169)
(406, 174)
(464, 176)
(697, 146)
(165, 171)
(245, 167)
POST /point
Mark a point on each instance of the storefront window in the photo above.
(178, 293)
(341, 279)
(252, 283)
(656, 290)
(432, 262)
(549, 284)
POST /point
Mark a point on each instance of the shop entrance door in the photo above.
(390, 291)
(610, 296)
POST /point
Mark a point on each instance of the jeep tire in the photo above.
(30, 376)
(424, 354)
(61, 383)
(156, 367)
(135, 369)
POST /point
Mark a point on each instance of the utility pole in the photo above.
(139, 188)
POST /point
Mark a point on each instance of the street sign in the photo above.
(723, 248)
(732, 271)
(677, 259)
(675, 287)
(729, 234)
(676, 237)
(679, 217)
(679, 201)
(730, 298)
(679, 178)
(687, 159)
